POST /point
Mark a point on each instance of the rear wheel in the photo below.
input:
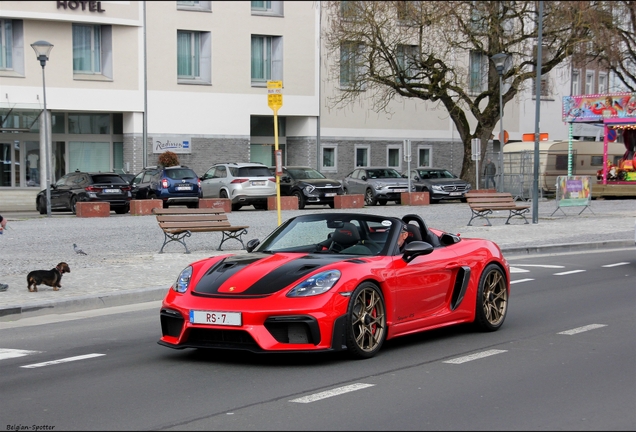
(236, 207)
(332, 204)
(74, 205)
(121, 210)
(366, 321)
(382, 202)
(301, 199)
(41, 205)
(492, 299)
(369, 199)
(223, 194)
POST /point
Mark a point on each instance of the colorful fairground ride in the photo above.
(617, 114)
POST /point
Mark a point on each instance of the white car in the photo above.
(244, 183)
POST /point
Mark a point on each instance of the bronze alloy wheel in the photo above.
(366, 321)
(492, 299)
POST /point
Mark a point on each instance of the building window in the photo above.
(267, 59)
(351, 65)
(94, 124)
(589, 82)
(329, 159)
(195, 5)
(477, 72)
(11, 47)
(6, 44)
(274, 8)
(92, 50)
(393, 157)
(351, 10)
(424, 157)
(576, 82)
(362, 156)
(407, 59)
(602, 83)
(193, 57)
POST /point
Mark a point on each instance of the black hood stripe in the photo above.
(271, 282)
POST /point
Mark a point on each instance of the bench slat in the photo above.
(193, 218)
(482, 204)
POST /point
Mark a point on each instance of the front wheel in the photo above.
(366, 321)
(369, 199)
(74, 205)
(492, 299)
(41, 205)
(301, 199)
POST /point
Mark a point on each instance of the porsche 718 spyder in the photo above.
(337, 281)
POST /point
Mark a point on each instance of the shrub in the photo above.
(168, 159)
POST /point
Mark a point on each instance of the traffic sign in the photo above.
(275, 94)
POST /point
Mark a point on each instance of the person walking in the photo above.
(3, 223)
(489, 172)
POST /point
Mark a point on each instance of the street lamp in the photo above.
(42, 50)
(500, 61)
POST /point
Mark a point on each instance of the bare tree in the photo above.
(383, 50)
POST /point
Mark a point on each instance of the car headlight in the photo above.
(309, 189)
(316, 284)
(437, 188)
(183, 281)
(377, 186)
(469, 186)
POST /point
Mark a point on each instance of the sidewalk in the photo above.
(123, 265)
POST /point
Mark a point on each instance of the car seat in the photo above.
(414, 233)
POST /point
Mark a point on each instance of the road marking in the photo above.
(568, 272)
(540, 265)
(6, 353)
(65, 360)
(582, 329)
(616, 265)
(521, 280)
(476, 356)
(333, 392)
(518, 270)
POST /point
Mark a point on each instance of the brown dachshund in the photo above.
(51, 277)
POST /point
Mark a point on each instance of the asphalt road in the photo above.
(563, 360)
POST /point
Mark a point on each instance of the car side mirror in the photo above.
(251, 245)
(415, 249)
(285, 179)
(363, 177)
(416, 178)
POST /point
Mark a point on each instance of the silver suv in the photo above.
(377, 184)
(243, 183)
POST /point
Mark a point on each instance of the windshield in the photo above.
(305, 173)
(332, 233)
(383, 173)
(434, 174)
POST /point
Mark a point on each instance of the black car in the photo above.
(81, 186)
(440, 183)
(308, 185)
(175, 185)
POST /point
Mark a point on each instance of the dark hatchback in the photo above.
(85, 187)
(175, 185)
(308, 185)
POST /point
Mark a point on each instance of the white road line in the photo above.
(7, 353)
(616, 265)
(66, 360)
(569, 272)
(518, 270)
(475, 356)
(333, 392)
(540, 265)
(521, 280)
(582, 329)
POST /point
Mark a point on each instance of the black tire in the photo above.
(40, 205)
(492, 299)
(301, 199)
(368, 198)
(223, 194)
(332, 204)
(366, 321)
(193, 205)
(236, 207)
(165, 204)
(260, 206)
(74, 205)
(345, 191)
(382, 202)
(121, 210)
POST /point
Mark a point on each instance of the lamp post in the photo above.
(500, 61)
(42, 50)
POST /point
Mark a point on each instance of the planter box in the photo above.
(224, 204)
(144, 207)
(92, 209)
(415, 198)
(286, 203)
(348, 201)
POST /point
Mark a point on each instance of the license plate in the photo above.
(184, 187)
(400, 190)
(455, 193)
(215, 318)
(259, 183)
(330, 194)
(112, 190)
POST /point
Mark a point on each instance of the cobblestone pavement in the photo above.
(123, 265)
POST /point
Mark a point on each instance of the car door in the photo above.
(355, 185)
(141, 184)
(286, 182)
(206, 183)
(58, 189)
(218, 181)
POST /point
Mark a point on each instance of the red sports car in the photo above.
(337, 281)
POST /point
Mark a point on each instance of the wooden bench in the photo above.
(484, 203)
(179, 223)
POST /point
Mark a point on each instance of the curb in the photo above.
(143, 295)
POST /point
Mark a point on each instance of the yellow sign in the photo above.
(275, 94)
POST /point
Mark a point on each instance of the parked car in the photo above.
(310, 186)
(247, 183)
(127, 176)
(337, 282)
(79, 186)
(440, 183)
(175, 185)
(378, 185)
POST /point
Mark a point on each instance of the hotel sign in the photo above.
(91, 6)
(174, 144)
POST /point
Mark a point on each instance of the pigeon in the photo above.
(78, 250)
